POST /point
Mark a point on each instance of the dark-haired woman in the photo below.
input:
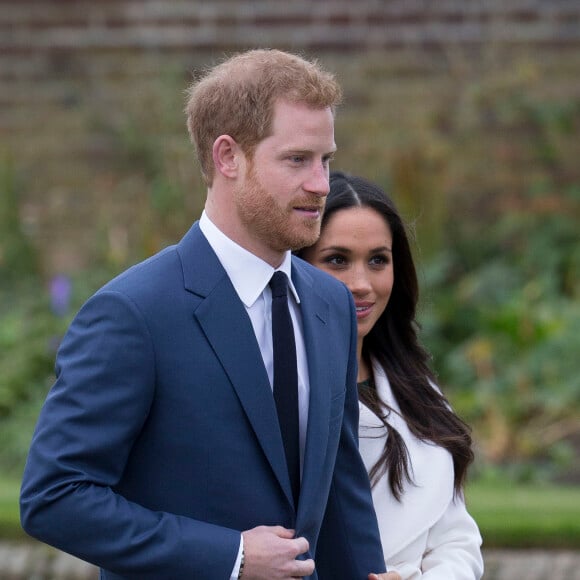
(415, 447)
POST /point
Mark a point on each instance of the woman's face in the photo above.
(355, 246)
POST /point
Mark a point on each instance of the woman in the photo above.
(415, 448)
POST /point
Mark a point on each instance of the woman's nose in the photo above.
(358, 282)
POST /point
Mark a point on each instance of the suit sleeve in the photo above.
(349, 544)
(91, 418)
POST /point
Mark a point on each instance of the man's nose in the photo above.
(318, 181)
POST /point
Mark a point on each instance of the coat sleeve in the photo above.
(453, 546)
(83, 439)
(349, 544)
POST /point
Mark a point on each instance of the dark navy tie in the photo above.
(286, 377)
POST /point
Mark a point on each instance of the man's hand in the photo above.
(385, 576)
(270, 554)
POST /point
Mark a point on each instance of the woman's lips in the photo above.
(363, 309)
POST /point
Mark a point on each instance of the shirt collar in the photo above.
(248, 273)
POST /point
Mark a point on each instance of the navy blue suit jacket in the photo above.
(159, 440)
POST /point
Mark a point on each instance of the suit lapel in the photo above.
(314, 316)
(228, 329)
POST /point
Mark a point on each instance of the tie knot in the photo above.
(279, 284)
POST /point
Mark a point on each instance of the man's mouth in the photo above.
(311, 210)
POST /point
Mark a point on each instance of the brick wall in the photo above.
(73, 72)
(31, 25)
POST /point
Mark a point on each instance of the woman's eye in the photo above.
(335, 260)
(379, 260)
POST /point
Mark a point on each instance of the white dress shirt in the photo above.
(250, 277)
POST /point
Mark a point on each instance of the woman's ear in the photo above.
(226, 156)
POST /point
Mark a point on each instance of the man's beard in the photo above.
(261, 214)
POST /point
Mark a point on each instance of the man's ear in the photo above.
(226, 156)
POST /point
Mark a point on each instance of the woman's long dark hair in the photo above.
(394, 344)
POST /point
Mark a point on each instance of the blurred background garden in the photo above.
(468, 112)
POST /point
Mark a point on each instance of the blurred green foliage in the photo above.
(503, 329)
(17, 255)
(31, 328)
(504, 290)
(487, 176)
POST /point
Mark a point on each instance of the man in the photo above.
(160, 452)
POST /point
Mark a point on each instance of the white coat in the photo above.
(429, 534)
